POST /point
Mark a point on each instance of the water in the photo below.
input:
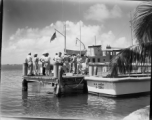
(38, 103)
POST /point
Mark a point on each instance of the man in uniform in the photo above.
(36, 64)
(30, 64)
(47, 64)
(42, 68)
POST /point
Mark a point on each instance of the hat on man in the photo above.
(46, 53)
(35, 55)
(29, 54)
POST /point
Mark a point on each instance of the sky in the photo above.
(28, 26)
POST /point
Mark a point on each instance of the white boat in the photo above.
(118, 86)
(123, 85)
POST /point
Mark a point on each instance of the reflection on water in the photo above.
(39, 102)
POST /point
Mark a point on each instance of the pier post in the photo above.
(25, 70)
(59, 86)
(56, 70)
(85, 88)
(24, 85)
(90, 69)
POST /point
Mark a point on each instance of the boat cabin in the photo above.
(98, 55)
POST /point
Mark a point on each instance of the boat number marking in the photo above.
(99, 85)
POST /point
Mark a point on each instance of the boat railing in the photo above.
(103, 68)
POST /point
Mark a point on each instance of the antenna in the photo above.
(95, 40)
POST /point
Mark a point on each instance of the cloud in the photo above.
(99, 12)
(35, 40)
(110, 39)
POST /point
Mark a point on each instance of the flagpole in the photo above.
(81, 42)
(65, 39)
(80, 38)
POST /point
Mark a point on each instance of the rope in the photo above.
(76, 85)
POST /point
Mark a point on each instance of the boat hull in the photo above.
(115, 87)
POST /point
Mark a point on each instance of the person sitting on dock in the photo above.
(47, 64)
(36, 65)
(42, 61)
(29, 64)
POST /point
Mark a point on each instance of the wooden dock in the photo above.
(61, 83)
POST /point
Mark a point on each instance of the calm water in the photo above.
(38, 103)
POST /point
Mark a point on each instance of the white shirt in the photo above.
(47, 59)
(36, 60)
(29, 58)
(59, 59)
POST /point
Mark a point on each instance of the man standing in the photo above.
(66, 65)
(79, 63)
(36, 64)
(47, 64)
(59, 59)
(74, 64)
(29, 64)
(56, 55)
(42, 68)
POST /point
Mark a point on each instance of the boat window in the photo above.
(103, 59)
(93, 60)
(104, 53)
(98, 59)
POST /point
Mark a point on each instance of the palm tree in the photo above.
(142, 25)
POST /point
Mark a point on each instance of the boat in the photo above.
(129, 84)
(123, 85)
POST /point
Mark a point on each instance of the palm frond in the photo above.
(122, 63)
(142, 22)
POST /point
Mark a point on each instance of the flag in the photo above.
(53, 37)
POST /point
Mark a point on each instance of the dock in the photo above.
(61, 82)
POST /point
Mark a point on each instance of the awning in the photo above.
(70, 52)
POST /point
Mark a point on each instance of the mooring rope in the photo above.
(76, 85)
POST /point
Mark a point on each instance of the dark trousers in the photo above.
(43, 71)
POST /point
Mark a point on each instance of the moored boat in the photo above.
(122, 85)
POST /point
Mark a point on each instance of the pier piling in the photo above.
(59, 87)
(24, 85)
(25, 70)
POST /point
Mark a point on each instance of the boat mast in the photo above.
(131, 27)
(80, 38)
(80, 28)
(65, 39)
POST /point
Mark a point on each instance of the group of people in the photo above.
(77, 64)
(38, 66)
